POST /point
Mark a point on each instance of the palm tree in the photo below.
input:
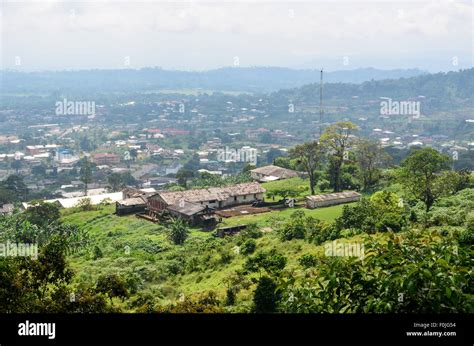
(178, 231)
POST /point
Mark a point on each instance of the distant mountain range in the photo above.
(254, 79)
(448, 89)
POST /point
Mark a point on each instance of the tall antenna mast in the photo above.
(321, 104)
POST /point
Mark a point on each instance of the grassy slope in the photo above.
(113, 233)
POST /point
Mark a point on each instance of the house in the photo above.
(194, 214)
(106, 159)
(328, 199)
(212, 198)
(271, 172)
(130, 192)
(130, 206)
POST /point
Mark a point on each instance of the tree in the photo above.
(272, 154)
(85, 144)
(455, 181)
(43, 213)
(15, 184)
(7, 196)
(419, 265)
(420, 175)
(234, 283)
(115, 181)
(178, 231)
(296, 226)
(134, 154)
(248, 167)
(248, 247)
(112, 285)
(39, 170)
(370, 156)
(183, 175)
(271, 262)
(86, 173)
(284, 162)
(128, 179)
(265, 296)
(308, 155)
(16, 165)
(337, 138)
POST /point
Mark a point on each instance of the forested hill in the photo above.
(440, 90)
(253, 79)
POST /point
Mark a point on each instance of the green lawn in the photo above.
(264, 219)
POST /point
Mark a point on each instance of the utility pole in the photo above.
(321, 105)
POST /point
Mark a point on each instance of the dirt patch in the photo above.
(242, 210)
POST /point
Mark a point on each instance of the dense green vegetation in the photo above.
(406, 246)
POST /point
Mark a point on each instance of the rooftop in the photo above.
(333, 196)
(213, 193)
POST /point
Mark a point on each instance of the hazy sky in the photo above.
(196, 35)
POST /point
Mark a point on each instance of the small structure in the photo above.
(229, 230)
(271, 172)
(328, 199)
(6, 209)
(194, 214)
(130, 206)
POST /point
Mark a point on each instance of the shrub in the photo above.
(296, 226)
(248, 247)
(469, 223)
(410, 273)
(96, 253)
(252, 231)
(265, 296)
(204, 303)
(322, 232)
(390, 222)
(112, 285)
(178, 232)
(466, 237)
(308, 260)
(174, 267)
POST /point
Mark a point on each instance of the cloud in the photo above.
(204, 34)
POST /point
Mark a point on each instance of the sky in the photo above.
(201, 35)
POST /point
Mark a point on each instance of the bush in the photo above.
(296, 226)
(390, 222)
(112, 285)
(265, 296)
(360, 216)
(308, 260)
(322, 232)
(469, 223)
(225, 257)
(96, 253)
(252, 231)
(324, 185)
(248, 247)
(204, 303)
(174, 267)
(410, 273)
(466, 237)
